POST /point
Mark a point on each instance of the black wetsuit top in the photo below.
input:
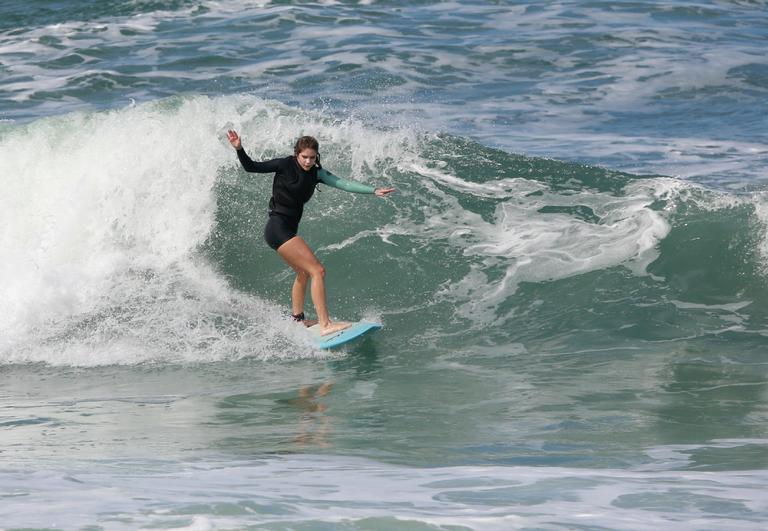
(291, 187)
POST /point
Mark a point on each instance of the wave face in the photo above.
(122, 238)
(543, 320)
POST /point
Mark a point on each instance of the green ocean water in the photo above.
(574, 310)
(540, 317)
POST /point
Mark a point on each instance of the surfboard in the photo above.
(342, 337)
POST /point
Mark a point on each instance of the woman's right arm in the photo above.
(250, 165)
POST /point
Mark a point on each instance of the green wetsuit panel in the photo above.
(342, 184)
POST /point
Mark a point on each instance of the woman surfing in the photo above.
(293, 185)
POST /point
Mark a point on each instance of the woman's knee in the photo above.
(316, 270)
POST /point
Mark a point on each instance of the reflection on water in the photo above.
(276, 422)
(314, 425)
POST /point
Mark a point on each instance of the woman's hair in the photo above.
(307, 142)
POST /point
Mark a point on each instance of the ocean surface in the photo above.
(572, 274)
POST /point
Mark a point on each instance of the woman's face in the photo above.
(307, 158)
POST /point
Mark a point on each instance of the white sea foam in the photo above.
(761, 210)
(310, 489)
(103, 215)
(530, 246)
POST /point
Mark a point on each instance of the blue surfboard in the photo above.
(342, 337)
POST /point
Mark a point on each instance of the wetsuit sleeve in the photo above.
(249, 165)
(342, 184)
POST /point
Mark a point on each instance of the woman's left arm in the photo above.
(350, 186)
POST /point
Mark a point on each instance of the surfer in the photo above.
(294, 183)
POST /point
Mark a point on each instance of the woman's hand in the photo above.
(381, 192)
(234, 139)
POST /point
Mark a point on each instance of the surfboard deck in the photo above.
(342, 337)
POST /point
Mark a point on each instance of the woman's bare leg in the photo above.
(298, 294)
(299, 291)
(301, 258)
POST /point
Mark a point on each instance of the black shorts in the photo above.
(279, 229)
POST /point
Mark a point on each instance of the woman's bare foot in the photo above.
(309, 322)
(333, 327)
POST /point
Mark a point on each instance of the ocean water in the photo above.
(572, 274)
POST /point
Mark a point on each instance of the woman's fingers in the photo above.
(234, 139)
